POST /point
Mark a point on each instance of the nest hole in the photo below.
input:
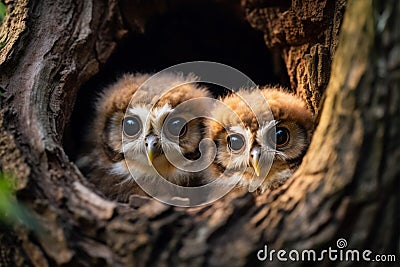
(206, 30)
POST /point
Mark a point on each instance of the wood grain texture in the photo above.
(305, 32)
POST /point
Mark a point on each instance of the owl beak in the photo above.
(150, 156)
(255, 160)
(151, 143)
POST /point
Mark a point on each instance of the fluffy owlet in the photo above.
(134, 133)
(244, 143)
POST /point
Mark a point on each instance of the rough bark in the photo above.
(305, 33)
(347, 186)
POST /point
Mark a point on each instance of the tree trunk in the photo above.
(347, 186)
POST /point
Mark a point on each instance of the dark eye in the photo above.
(131, 126)
(235, 142)
(177, 127)
(280, 137)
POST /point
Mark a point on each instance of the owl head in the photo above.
(266, 126)
(138, 120)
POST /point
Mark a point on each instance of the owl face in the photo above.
(149, 134)
(133, 130)
(248, 139)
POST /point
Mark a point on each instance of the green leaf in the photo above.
(3, 10)
(11, 211)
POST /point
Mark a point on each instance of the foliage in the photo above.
(11, 211)
(3, 10)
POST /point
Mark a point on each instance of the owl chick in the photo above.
(245, 142)
(127, 138)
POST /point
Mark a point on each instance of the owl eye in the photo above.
(177, 127)
(131, 126)
(235, 142)
(280, 137)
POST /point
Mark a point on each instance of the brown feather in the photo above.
(287, 109)
(103, 162)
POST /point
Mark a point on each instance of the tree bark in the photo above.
(306, 34)
(347, 186)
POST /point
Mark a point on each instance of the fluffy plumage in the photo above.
(116, 139)
(244, 144)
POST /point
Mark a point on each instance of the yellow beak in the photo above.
(151, 148)
(255, 160)
(256, 166)
(150, 155)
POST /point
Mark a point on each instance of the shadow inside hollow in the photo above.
(205, 31)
